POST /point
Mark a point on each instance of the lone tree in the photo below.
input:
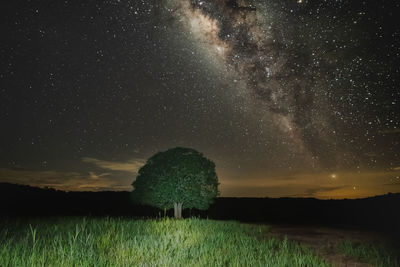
(175, 178)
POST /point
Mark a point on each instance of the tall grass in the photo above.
(127, 242)
(377, 254)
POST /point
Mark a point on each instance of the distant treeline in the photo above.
(380, 213)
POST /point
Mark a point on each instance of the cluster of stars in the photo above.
(270, 86)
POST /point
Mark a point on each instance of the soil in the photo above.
(325, 241)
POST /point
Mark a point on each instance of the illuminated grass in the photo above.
(378, 255)
(127, 242)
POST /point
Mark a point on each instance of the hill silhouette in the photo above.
(381, 213)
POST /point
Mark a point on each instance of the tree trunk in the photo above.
(178, 210)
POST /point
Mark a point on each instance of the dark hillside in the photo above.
(380, 213)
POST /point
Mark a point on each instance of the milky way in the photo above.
(274, 63)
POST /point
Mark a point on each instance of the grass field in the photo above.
(79, 241)
(375, 254)
(126, 242)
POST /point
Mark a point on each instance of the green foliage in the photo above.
(126, 242)
(178, 175)
(376, 254)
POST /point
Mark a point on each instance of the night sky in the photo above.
(288, 98)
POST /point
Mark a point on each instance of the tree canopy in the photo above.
(176, 176)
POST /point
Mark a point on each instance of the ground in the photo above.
(325, 241)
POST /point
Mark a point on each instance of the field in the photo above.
(81, 241)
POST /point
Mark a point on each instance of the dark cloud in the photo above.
(324, 189)
(93, 180)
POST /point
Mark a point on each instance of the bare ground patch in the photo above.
(325, 241)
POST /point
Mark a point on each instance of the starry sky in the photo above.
(289, 98)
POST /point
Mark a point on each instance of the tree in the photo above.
(179, 177)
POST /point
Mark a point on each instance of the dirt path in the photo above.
(325, 241)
